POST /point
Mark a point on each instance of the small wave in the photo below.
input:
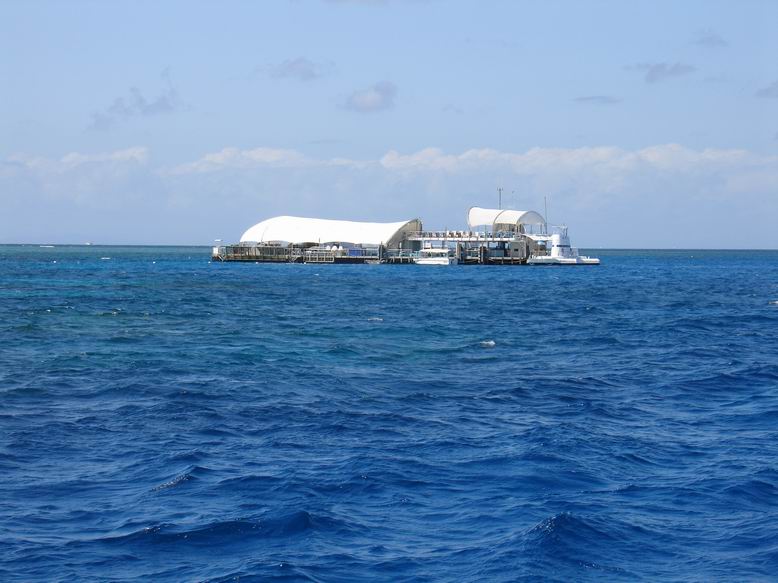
(104, 258)
(343, 350)
(252, 481)
(565, 527)
(772, 303)
(191, 473)
(188, 456)
(111, 313)
(296, 523)
(487, 344)
(226, 531)
(177, 481)
(752, 491)
(375, 319)
(167, 533)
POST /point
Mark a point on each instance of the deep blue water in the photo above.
(164, 419)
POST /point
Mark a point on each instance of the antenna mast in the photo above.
(499, 197)
(545, 210)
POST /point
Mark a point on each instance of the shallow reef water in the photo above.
(167, 418)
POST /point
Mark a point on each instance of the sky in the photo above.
(640, 124)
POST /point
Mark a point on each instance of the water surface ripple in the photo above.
(164, 418)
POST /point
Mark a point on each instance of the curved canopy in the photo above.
(479, 217)
(302, 230)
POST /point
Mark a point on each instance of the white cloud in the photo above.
(375, 2)
(235, 158)
(656, 72)
(375, 98)
(426, 159)
(667, 157)
(599, 99)
(770, 91)
(136, 104)
(710, 39)
(299, 68)
(136, 155)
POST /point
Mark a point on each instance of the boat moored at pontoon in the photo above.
(558, 251)
(436, 256)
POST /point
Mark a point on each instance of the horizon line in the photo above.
(208, 246)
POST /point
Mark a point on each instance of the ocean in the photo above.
(165, 418)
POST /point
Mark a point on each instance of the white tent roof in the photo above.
(303, 230)
(478, 217)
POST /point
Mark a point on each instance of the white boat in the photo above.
(561, 253)
(436, 256)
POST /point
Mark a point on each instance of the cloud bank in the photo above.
(664, 196)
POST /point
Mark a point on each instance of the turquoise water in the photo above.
(164, 418)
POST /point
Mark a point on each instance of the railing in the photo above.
(400, 253)
(465, 236)
(277, 253)
(254, 251)
(445, 235)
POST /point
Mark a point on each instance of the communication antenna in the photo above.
(545, 210)
(499, 197)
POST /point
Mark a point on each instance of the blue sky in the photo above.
(646, 124)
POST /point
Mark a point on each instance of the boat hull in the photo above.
(436, 261)
(563, 261)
